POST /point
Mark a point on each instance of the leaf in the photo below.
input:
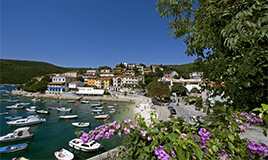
(264, 106)
(264, 132)
(231, 146)
(215, 148)
(198, 152)
(173, 137)
(261, 115)
(231, 137)
(257, 109)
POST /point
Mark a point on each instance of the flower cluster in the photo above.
(260, 149)
(161, 154)
(205, 135)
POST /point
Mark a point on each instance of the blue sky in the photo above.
(86, 33)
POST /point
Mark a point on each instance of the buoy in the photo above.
(75, 105)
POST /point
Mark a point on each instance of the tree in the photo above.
(80, 78)
(179, 88)
(158, 90)
(230, 40)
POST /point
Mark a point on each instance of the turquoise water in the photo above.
(56, 133)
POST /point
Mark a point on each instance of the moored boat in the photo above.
(12, 100)
(35, 100)
(64, 154)
(53, 107)
(101, 116)
(112, 110)
(95, 104)
(81, 124)
(110, 106)
(42, 112)
(86, 102)
(24, 104)
(31, 109)
(101, 107)
(71, 101)
(33, 119)
(3, 113)
(10, 118)
(63, 109)
(68, 116)
(15, 106)
(96, 110)
(18, 134)
(13, 148)
(84, 147)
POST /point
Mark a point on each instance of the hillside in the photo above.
(183, 70)
(17, 71)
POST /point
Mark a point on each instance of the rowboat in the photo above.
(99, 107)
(112, 110)
(68, 116)
(71, 101)
(96, 110)
(18, 134)
(42, 112)
(13, 148)
(54, 101)
(12, 100)
(15, 106)
(110, 106)
(85, 102)
(95, 104)
(84, 147)
(81, 124)
(33, 119)
(62, 109)
(53, 107)
(31, 109)
(35, 100)
(64, 154)
(10, 118)
(3, 113)
(101, 116)
(24, 104)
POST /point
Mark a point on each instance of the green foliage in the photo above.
(104, 67)
(183, 70)
(36, 86)
(229, 39)
(80, 78)
(179, 88)
(263, 112)
(158, 90)
(107, 93)
(153, 76)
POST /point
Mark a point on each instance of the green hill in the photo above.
(183, 70)
(18, 72)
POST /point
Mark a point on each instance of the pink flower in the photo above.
(242, 128)
(126, 130)
(117, 126)
(119, 134)
(149, 138)
(127, 121)
(143, 133)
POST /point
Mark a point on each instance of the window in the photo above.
(59, 79)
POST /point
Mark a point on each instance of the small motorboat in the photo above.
(53, 107)
(25, 104)
(3, 113)
(95, 104)
(112, 110)
(101, 116)
(12, 100)
(10, 118)
(42, 112)
(96, 110)
(115, 104)
(63, 109)
(4, 100)
(64, 154)
(81, 124)
(18, 134)
(31, 109)
(101, 107)
(54, 101)
(68, 117)
(110, 106)
(86, 102)
(84, 147)
(35, 100)
(13, 148)
(71, 101)
(33, 119)
(20, 158)
(15, 106)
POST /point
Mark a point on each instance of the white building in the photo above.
(93, 72)
(72, 73)
(107, 74)
(131, 65)
(140, 67)
(130, 73)
(75, 84)
(105, 71)
(59, 84)
(90, 91)
(196, 75)
(171, 73)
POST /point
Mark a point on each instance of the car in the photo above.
(173, 111)
(170, 107)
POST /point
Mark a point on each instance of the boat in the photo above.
(31, 109)
(64, 154)
(110, 106)
(54, 101)
(13, 148)
(18, 134)
(96, 110)
(3, 113)
(81, 124)
(35, 100)
(71, 101)
(10, 118)
(68, 117)
(12, 100)
(53, 107)
(63, 109)
(112, 110)
(33, 119)
(42, 112)
(5, 95)
(101, 116)
(115, 104)
(20, 158)
(101, 107)
(95, 104)
(25, 104)
(15, 106)
(85, 102)
(4, 100)
(84, 147)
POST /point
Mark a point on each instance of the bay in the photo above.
(56, 133)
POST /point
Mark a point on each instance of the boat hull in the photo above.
(13, 148)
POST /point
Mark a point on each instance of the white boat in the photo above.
(101, 116)
(96, 110)
(33, 119)
(81, 124)
(87, 102)
(25, 104)
(63, 109)
(15, 106)
(35, 100)
(110, 106)
(42, 112)
(18, 134)
(84, 147)
(68, 116)
(64, 154)
(12, 100)
(71, 101)
(31, 109)
(101, 107)
(10, 118)
(95, 104)
(112, 110)
(20, 158)
(54, 101)
(3, 113)
(115, 104)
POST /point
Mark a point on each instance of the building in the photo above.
(90, 91)
(196, 75)
(171, 73)
(107, 74)
(146, 71)
(105, 70)
(106, 82)
(130, 73)
(91, 80)
(99, 82)
(73, 85)
(59, 84)
(72, 73)
(93, 72)
(154, 66)
(131, 65)
(139, 67)
(118, 80)
(118, 70)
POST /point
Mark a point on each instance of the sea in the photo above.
(56, 133)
